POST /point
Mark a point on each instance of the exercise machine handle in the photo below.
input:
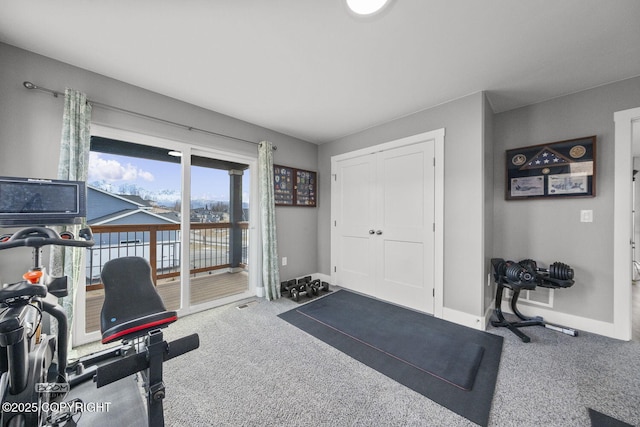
(129, 365)
(37, 237)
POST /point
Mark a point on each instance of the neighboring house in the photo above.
(206, 215)
(117, 209)
(104, 208)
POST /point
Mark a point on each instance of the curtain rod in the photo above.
(55, 94)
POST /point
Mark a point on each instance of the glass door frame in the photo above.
(79, 335)
(185, 226)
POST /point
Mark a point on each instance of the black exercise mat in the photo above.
(598, 419)
(450, 364)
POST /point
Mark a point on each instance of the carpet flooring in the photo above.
(255, 369)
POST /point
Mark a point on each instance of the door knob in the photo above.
(371, 231)
(379, 232)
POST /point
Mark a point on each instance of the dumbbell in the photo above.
(287, 285)
(315, 286)
(304, 285)
(558, 270)
(561, 271)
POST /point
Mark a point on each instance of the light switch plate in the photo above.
(586, 215)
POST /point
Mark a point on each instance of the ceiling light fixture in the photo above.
(366, 7)
(175, 153)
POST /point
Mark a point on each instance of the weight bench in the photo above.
(525, 275)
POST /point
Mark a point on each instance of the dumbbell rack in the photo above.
(526, 275)
(304, 285)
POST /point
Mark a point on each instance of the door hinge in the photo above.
(434, 227)
(335, 269)
(335, 176)
(434, 161)
(335, 223)
(434, 292)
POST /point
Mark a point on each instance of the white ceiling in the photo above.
(309, 69)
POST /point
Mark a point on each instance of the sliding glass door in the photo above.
(185, 209)
(219, 220)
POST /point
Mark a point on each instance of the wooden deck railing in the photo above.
(210, 248)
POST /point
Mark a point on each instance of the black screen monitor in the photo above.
(30, 202)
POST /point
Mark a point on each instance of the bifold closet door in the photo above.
(384, 225)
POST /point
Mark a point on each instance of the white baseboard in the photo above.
(321, 277)
(317, 276)
(563, 319)
(462, 318)
(487, 317)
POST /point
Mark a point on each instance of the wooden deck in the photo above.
(204, 288)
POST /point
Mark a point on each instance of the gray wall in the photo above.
(30, 126)
(475, 142)
(550, 230)
(464, 192)
(489, 164)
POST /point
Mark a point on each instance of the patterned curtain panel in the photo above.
(74, 163)
(270, 272)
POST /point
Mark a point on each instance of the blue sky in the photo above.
(155, 176)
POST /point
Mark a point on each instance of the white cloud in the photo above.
(147, 176)
(112, 170)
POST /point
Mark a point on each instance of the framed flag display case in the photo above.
(554, 170)
(294, 187)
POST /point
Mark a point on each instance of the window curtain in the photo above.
(73, 165)
(270, 272)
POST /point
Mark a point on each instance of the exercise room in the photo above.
(298, 213)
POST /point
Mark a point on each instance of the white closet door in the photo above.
(405, 245)
(355, 217)
(384, 225)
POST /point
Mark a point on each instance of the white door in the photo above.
(405, 220)
(355, 218)
(384, 216)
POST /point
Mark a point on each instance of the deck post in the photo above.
(235, 217)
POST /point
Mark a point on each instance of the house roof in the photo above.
(136, 199)
(138, 205)
(106, 219)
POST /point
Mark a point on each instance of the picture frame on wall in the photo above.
(295, 187)
(554, 170)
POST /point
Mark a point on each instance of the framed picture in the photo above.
(294, 187)
(554, 170)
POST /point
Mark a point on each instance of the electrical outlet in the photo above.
(284, 260)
